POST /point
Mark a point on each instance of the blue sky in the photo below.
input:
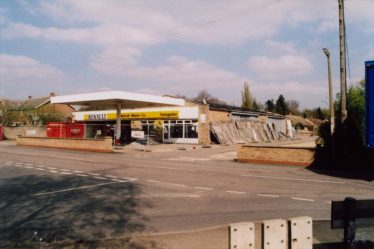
(180, 47)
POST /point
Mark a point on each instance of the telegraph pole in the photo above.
(343, 69)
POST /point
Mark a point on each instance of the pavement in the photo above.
(173, 197)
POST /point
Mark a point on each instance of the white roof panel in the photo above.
(127, 99)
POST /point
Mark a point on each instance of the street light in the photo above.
(331, 98)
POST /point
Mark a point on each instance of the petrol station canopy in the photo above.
(113, 98)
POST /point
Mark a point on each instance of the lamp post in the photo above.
(331, 98)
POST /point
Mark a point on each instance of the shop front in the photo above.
(163, 124)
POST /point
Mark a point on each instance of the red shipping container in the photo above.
(65, 130)
(75, 130)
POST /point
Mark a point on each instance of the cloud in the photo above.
(307, 93)
(283, 47)
(17, 68)
(105, 35)
(286, 66)
(176, 71)
(226, 22)
(327, 26)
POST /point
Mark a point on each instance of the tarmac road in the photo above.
(153, 192)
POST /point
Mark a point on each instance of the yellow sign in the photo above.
(135, 125)
(134, 115)
(158, 124)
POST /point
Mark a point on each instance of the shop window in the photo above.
(190, 131)
(166, 132)
(176, 131)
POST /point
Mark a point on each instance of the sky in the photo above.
(181, 47)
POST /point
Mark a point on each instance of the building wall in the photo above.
(215, 116)
(12, 133)
(204, 133)
(66, 110)
(97, 145)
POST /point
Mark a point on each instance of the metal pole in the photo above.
(343, 75)
(118, 124)
(350, 222)
(331, 98)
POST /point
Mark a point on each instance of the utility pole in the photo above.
(343, 69)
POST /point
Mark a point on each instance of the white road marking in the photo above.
(77, 171)
(152, 181)
(66, 170)
(129, 178)
(176, 184)
(117, 180)
(9, 162)
(66, 173)
(28, 164)
(72, 189)
(170, 195)
(266, 195)
(235, 192)
(100, 178)
(110, 176)
(50, 168)
(16, 165)
(293, 179)
(81, 175)
(94, 174)
(158, 167)
(328, 202)
(301, 199)
(203, 188)
(189, 159)
(53, 171)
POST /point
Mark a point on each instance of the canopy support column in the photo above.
(118, 124)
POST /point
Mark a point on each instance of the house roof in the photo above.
(34, 103)
(30, 103)
(11, 104)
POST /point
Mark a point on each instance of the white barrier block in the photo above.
(301, 233)
(275, 234)
(242, 235)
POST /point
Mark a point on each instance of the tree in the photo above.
(356, 105)
(247, 100)
(318, 113)
(257, 106)
(293, 107)
(269, 105)
(205, 96)
(281, 105)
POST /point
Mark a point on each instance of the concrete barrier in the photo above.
(296, 233)
(242, 236)
(268, 154)
(96, 145)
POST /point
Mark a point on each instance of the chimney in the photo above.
(52, 94)
(30, 97)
